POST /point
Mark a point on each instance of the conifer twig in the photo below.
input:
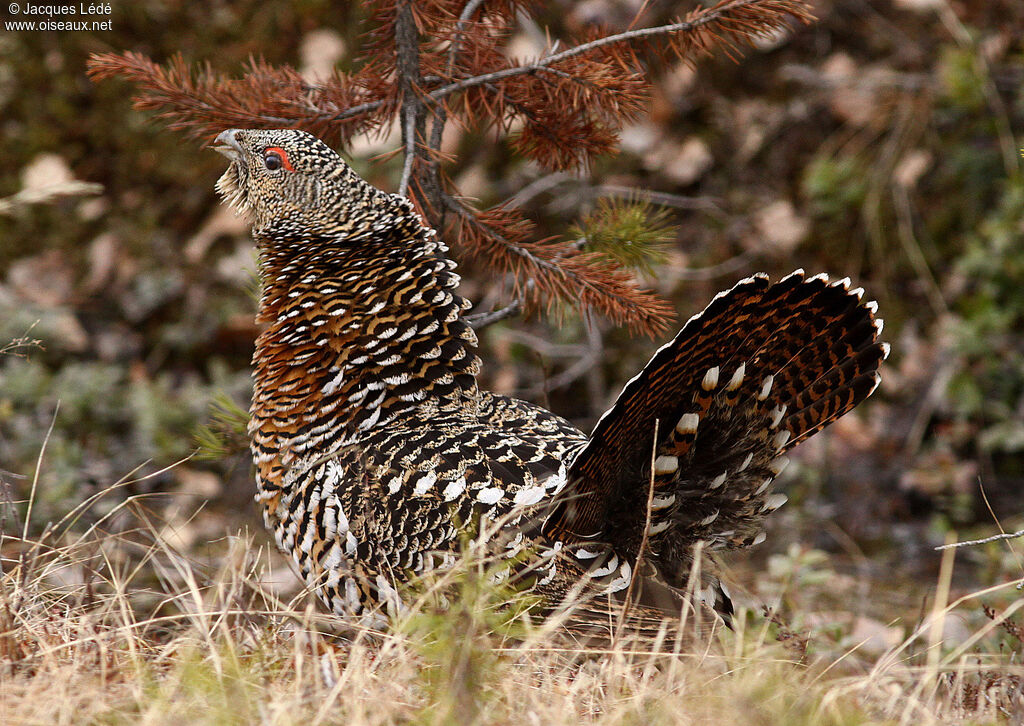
(701, 19)
(482, 320)
(353, 111)
(440, 114)
(409, 143)
(560, 271)
(407, 62)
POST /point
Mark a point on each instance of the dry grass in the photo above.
(112, 624)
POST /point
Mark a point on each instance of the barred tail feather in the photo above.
(763, 368)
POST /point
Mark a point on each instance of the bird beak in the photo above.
(226, 143)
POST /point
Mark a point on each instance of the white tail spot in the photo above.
(708, 519)
(781, 438)
(774, 501)
(658, 527)
(777, 465)
(666, 464)
(718, 480)
(688, 423)
(758, 538)
(766, 387)
(777, 415)
(608, 568)
(710, 379)
(737, 378)
(658, 503)
(746, 462)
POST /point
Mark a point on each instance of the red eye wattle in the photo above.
(274, 158)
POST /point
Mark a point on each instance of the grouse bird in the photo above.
(377, 452)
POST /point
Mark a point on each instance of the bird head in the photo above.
(288, 182)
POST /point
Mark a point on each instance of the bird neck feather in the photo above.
(361, 333)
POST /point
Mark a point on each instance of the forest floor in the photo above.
(120, 623)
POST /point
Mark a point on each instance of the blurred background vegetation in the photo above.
(881, 142)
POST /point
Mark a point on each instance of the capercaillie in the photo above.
(376, 451)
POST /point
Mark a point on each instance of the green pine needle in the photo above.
(225, 434)
(630, 233)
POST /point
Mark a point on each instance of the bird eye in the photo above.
(275, 158)
(272, 161)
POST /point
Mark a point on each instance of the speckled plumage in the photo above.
(376, 451)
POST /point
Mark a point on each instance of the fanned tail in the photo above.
(761, 369)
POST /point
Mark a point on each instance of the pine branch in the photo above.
(407, 62)
(225, 433)
(409, 146)
(479, 321)
(729, 21)
(426, 53)
(354, 111)
(203, 103)
(549, 270)
(631, 234)
(440, 112)
(431, 183)
(439, 117)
